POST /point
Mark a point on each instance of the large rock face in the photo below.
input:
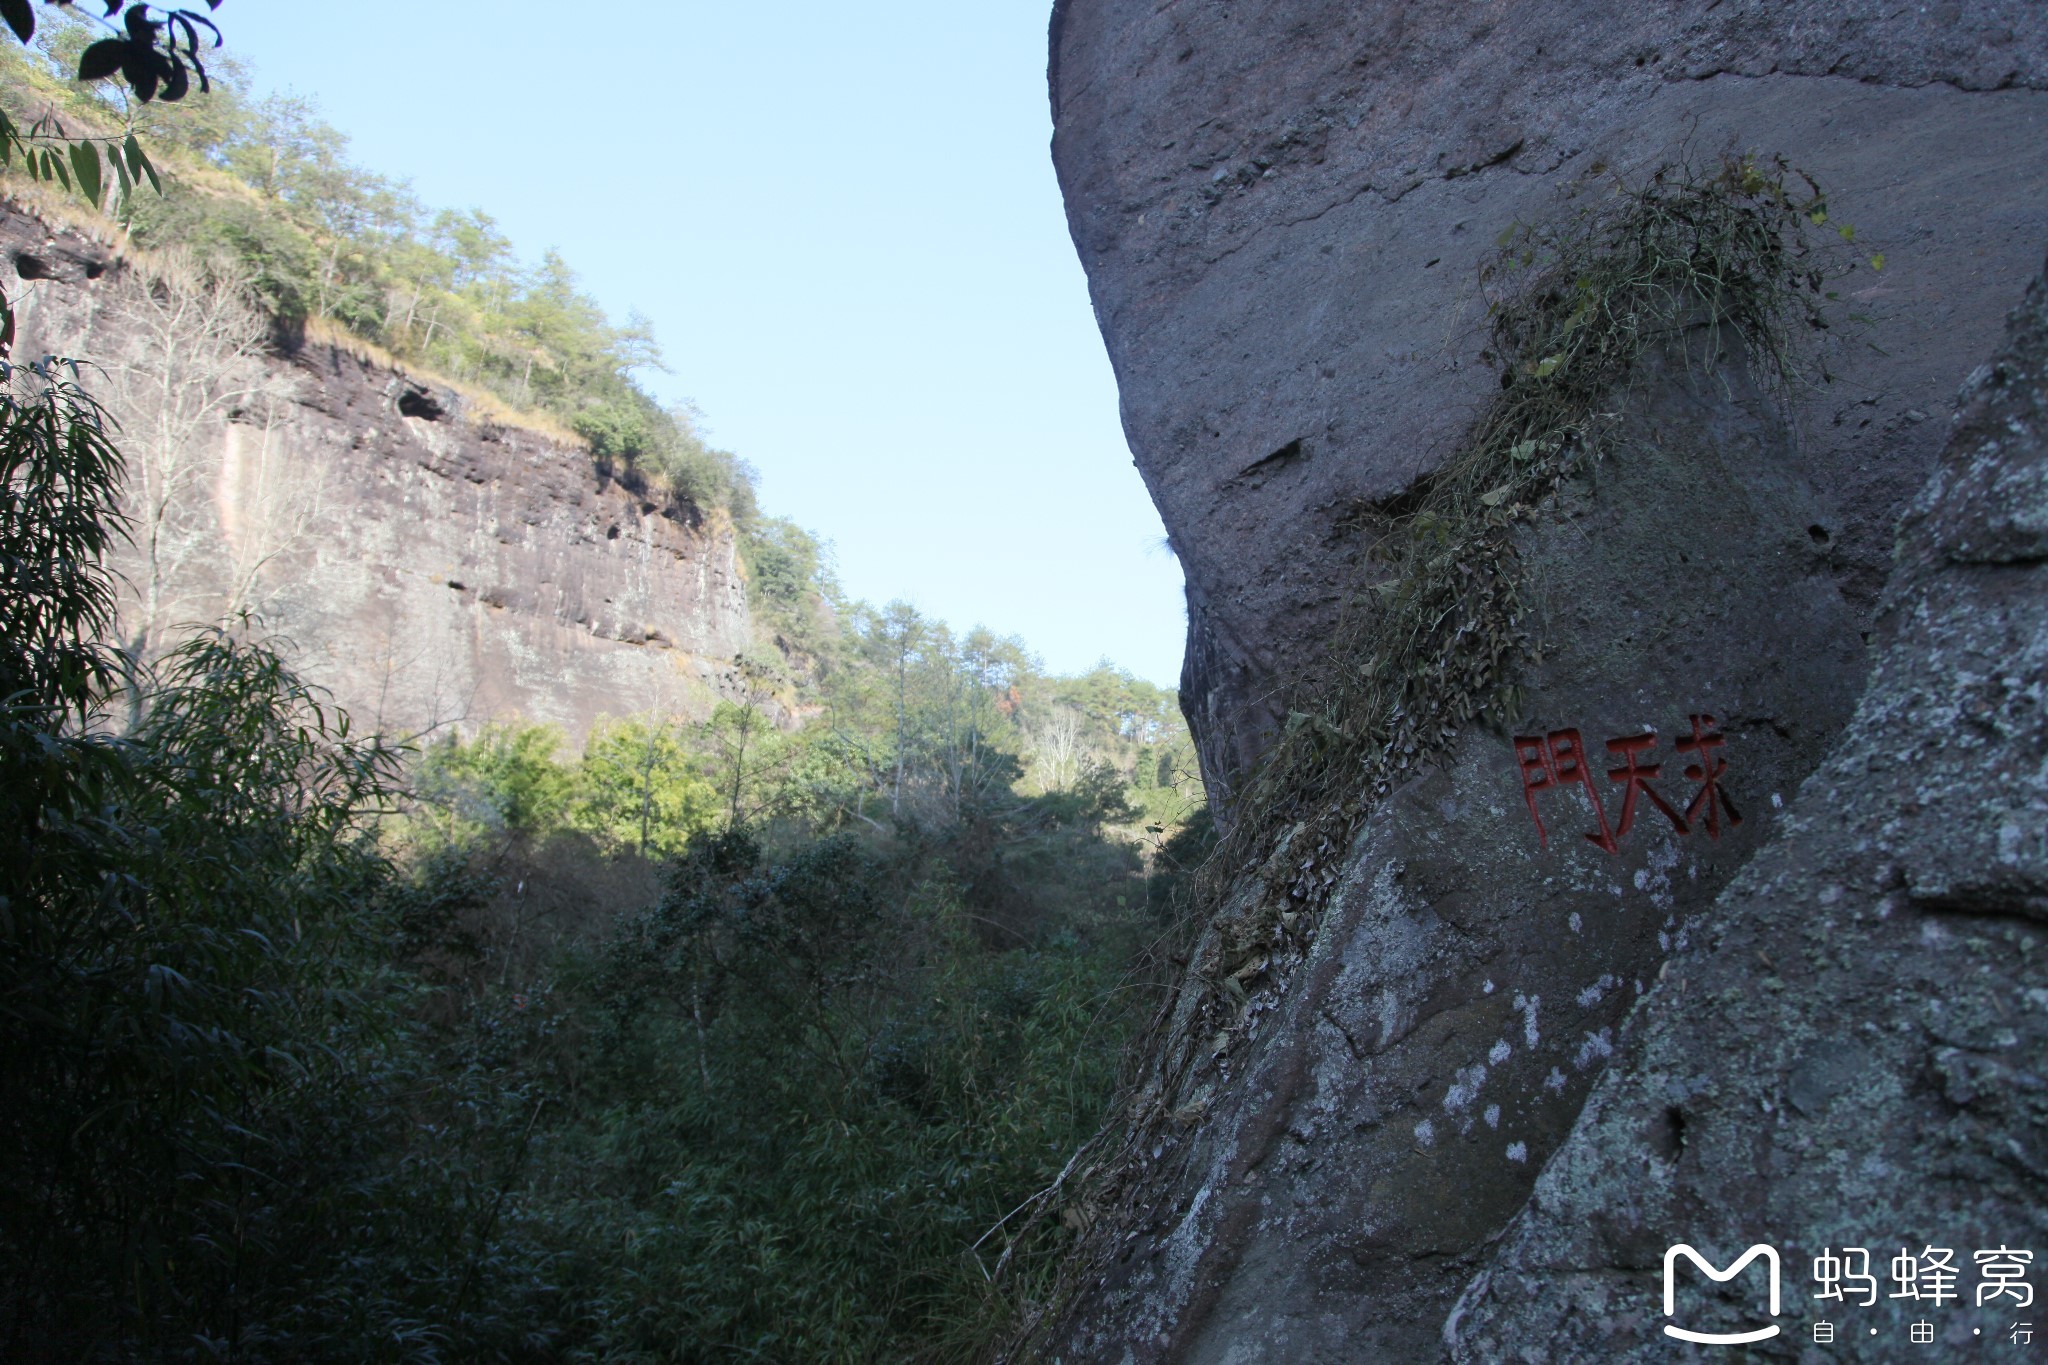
(1281, 209)
(429, 568)
(1852, 1054)
(1330, 1158)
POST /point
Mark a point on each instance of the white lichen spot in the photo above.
(1554, 1081)
(1654, 880)
(1639, 987)
(1487, 989)
(1518, 1151)
(1663, 942)
(1425, 1133)
(1500, 1052)
(1576, 923)
(1527, 1005)
(1464, 1087)
(1493, 1116)
(1390, 1016)
(1590, 996)
(1597, 1047)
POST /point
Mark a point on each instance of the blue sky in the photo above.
(843, 223)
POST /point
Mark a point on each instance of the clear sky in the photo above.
(843, 223)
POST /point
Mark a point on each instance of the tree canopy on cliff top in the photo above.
(341, 252)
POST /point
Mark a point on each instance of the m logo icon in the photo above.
(1770, 1255)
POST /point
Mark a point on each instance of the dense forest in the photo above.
(764, 1034)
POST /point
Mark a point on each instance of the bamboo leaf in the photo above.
(137, 155)
(85, 164)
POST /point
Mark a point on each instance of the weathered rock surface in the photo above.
(1281, 207)
(1344, 1144)
(1376, 1047)
(428, 568)
(1854, 1053)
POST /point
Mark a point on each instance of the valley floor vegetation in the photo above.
(747, 1038)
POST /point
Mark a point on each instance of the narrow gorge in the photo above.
(476, 885)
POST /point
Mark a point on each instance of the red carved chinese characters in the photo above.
(1636, 775)
(1558, 760)
(1532, 754)
(1706, 770)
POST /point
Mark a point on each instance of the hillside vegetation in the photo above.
(328, 246)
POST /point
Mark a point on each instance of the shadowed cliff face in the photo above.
(1330, 1150)
(1851, 1055)
(429, 568)
(1281, 209)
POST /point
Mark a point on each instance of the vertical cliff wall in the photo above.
(431, 568)
(1282, 208)
(1396, 1015)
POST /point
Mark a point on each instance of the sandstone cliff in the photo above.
(1281, 209)
(1397, 1013)
(429, 566)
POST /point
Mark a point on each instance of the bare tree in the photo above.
(270, 503)
(1056, 749)
(736, 729)
(208, 489)
(902, 634)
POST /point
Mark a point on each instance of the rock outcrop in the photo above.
(1852, 1053)
(428, 566)
(1380, 1040)
(1281, 209)
(1338, 1150)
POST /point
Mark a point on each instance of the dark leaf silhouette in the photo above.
(139, 69)
(102, 59)
(159, 58)
(19, 17)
